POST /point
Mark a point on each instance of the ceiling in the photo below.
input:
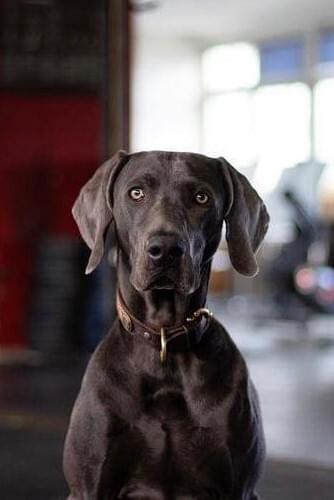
(227, 20)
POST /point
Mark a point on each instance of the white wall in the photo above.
(165, 95)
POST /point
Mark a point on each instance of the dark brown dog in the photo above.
(182, 423)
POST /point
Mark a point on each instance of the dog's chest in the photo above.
(176, 458)
(173, 440)
(164, 403)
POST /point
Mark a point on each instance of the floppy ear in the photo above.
(92, 210)
(246, 220)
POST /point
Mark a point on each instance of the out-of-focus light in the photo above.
(318, 283)
(282, 129)
(230, 67)
(227, 127)
(324, 120)
(305, 280)
(326, 278)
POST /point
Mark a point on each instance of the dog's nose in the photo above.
(166, 247)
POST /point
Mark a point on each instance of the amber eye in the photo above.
(136, 194)
(201, 198)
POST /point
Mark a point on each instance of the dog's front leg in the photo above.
(86, 447)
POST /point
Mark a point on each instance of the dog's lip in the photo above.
(161, 283)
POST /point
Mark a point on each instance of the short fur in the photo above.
(189, 429)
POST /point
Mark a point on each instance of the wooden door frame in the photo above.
(116, 83)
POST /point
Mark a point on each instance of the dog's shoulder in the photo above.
(101, 367)
(218, 345)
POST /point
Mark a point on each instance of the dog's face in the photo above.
(168, 210)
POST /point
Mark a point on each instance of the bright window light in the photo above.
(227, 127)
(282, 130)
(230, 67)
(324, 120)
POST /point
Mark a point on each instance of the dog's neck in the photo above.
(160, 307)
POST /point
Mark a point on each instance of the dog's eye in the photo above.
(201, 198)
(136, 194)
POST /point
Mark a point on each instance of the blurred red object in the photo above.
(50, 144)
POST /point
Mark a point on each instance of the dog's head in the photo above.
(168, 210)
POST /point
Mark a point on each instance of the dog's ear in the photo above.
(246, 220)
(92, 210)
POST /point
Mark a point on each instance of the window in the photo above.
(324, 120)
(282, 130)
(325, 62)
(282, 60)
(228, 72)
(230, 67)
(326, 48)
(261, 108)
(228, 127)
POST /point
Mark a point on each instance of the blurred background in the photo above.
(251, 81)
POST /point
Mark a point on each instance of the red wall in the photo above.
(49, 145)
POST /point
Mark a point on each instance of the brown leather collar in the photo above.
(181, 338)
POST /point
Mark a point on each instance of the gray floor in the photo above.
(289, 481)
(293, 369)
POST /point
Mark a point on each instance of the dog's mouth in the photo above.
(183, 279)
(161, 283)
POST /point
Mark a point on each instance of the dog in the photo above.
(167, 410)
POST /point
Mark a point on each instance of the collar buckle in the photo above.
(202, 311)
